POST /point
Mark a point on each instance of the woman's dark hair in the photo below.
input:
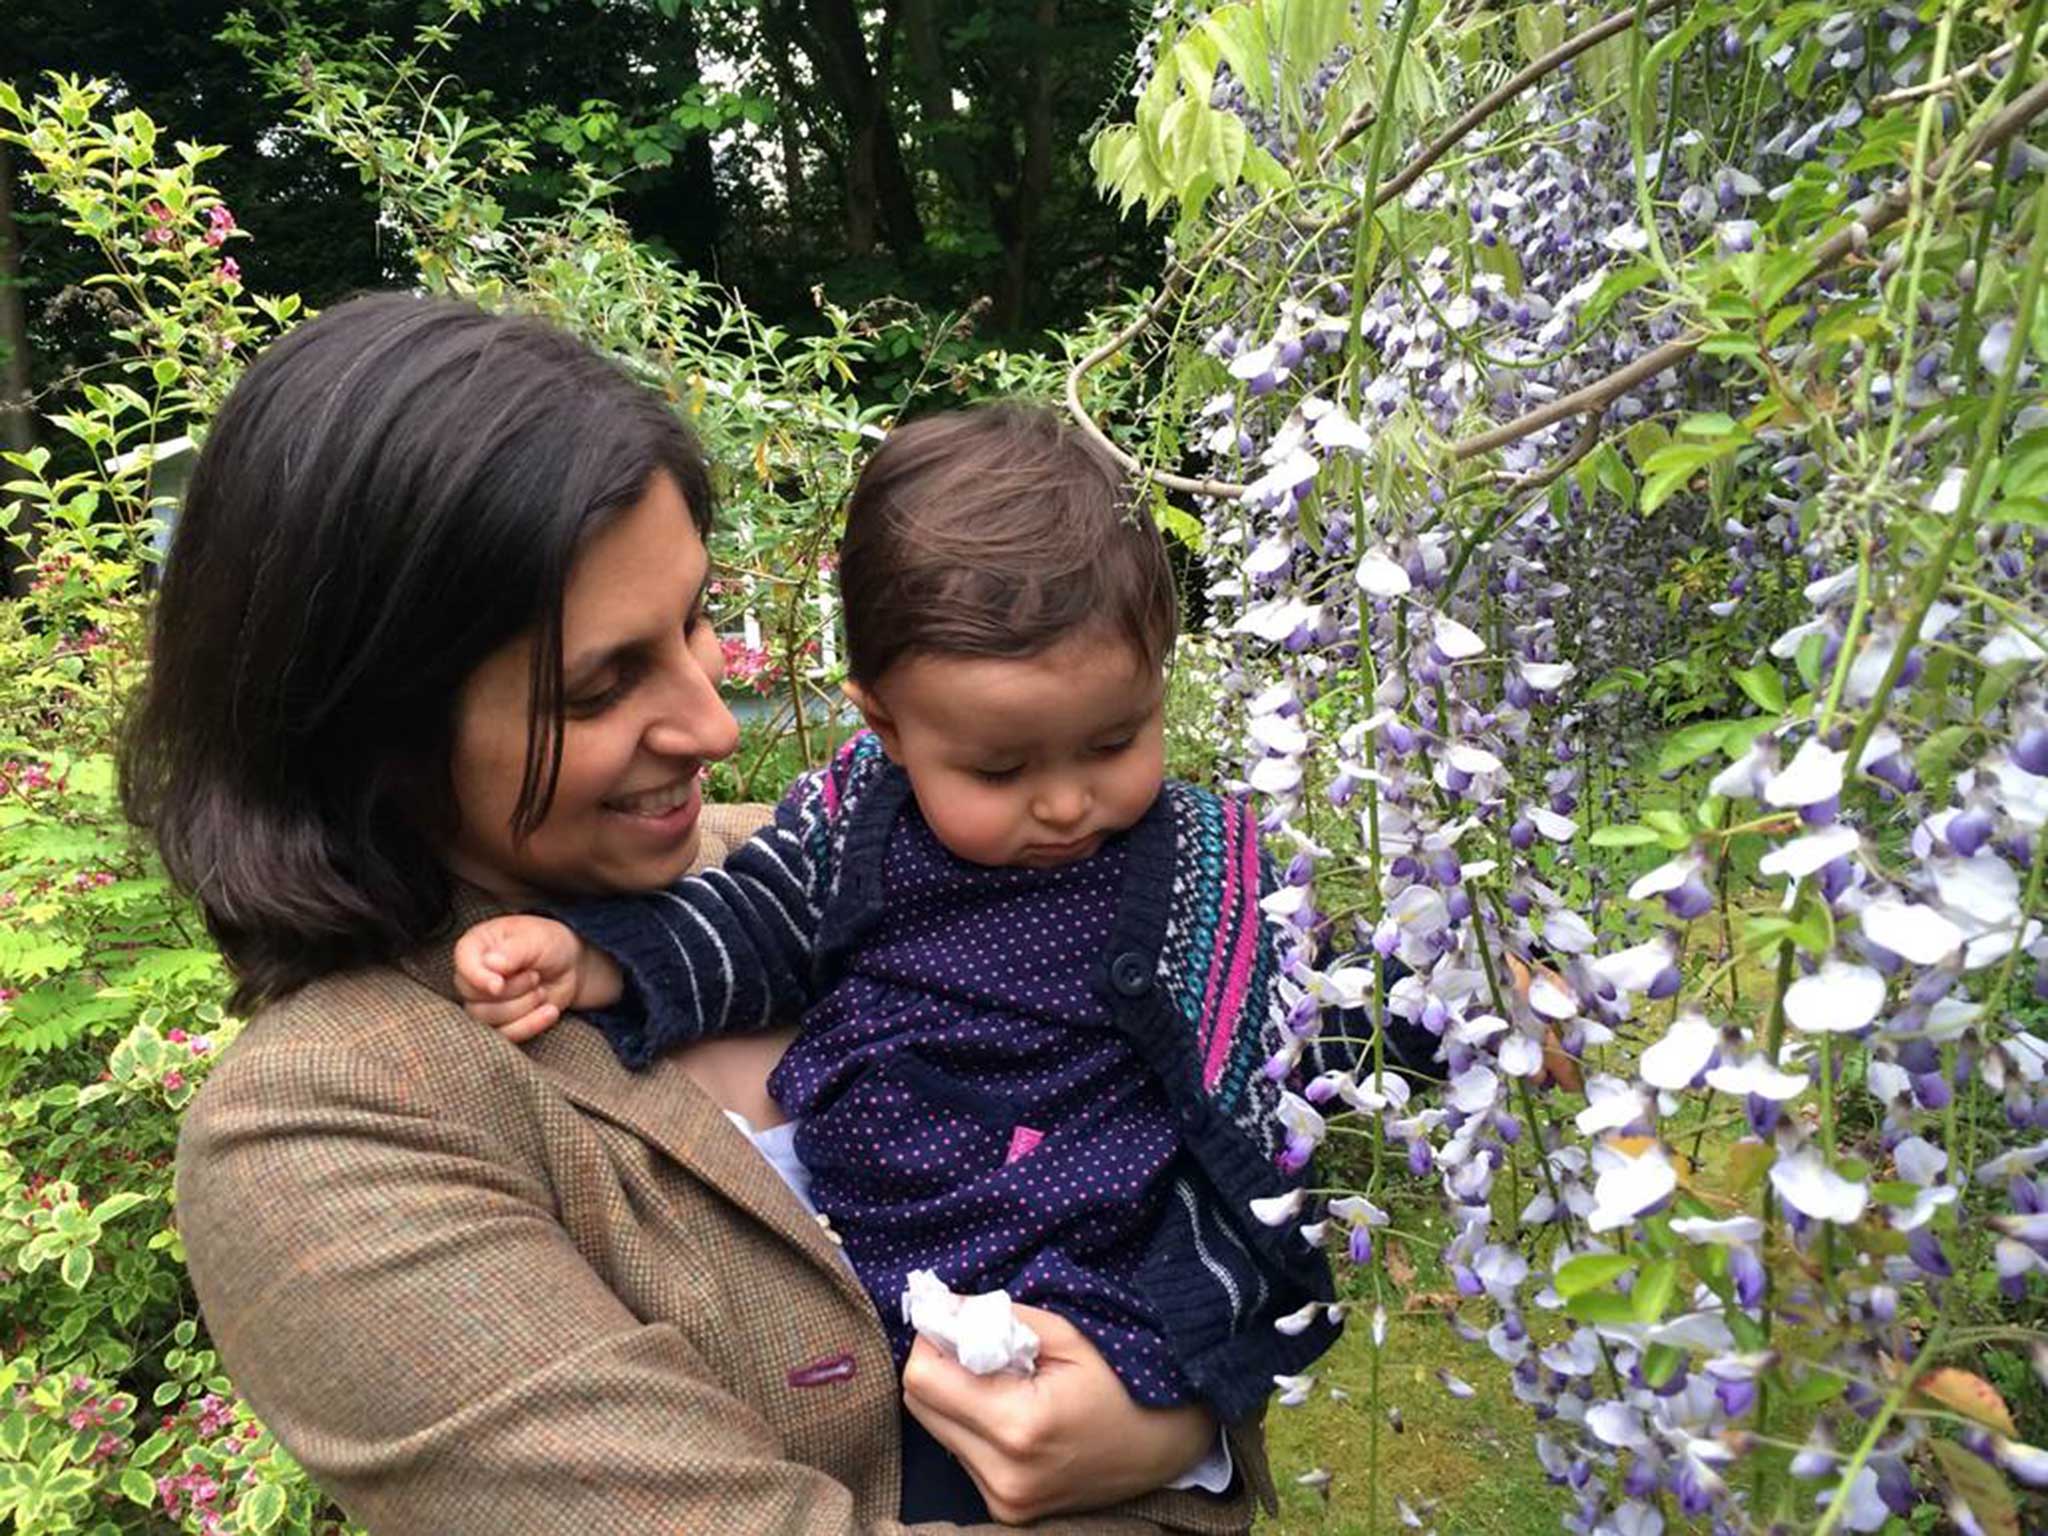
(391, 493)
(997, 531)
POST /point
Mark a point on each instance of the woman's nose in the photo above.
(692, 720)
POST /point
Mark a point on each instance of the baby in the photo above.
(1039, 991)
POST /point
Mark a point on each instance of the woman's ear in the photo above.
(878, 718)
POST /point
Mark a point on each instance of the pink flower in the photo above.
(230, 270)
(173, 1081)
(219, 224)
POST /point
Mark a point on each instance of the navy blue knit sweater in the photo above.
(1042, 1080)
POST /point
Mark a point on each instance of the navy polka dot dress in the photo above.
(965, 1105)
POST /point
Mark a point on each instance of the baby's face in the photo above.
(1030, 761)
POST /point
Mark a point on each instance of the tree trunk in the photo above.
(1016, 218)
(786, 128)
(699, 182)
(17, 421)
(875, 173)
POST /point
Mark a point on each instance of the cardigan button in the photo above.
(1131, 974)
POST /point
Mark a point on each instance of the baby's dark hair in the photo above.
(997, 531)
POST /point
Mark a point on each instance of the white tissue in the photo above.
(981, 1332)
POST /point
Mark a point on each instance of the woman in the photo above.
(431, 642)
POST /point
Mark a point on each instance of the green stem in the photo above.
(1878, 1425)
(1994, 207)
(1990, 428)
(1368, 202)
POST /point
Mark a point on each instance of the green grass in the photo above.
(1466, 1466)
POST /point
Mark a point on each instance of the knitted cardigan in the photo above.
(1189, 976)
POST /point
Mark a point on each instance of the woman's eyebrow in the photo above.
(577, 667)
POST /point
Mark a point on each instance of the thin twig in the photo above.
(1908, 93)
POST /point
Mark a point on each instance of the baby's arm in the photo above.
(734, 949)
(520, 973)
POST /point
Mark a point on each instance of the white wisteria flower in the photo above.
(1611, 1104)
(1379, 575)
(1294, 1390)
(1279, 1210)
(1723, 1232)
(1838, 999)
(1454, 639)
(1803, 855)
(1617, 1424)
(1674, 1061)
(1757, 1076)
(1805, 1182)
(1636, 968)
(1914, 933)
(1629, 1184)
(1813, 775)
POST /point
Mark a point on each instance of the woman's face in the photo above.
(642, 716)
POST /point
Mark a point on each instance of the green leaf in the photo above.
(1658, 488)
(1812, 926)
(1644, 439)
(1708, 424)
(118, 1205)
(1731, 344)
(1763, 685)
(1689, 744)
(1589, 1272)
(261, 1509)
(1623, 837)
(1600, 1307)
(1660, 1364)
(1654, 1288)
(76, 1268)
(138, 1487)
(152, 1448)
(1239, 35)
(1669, 827)
(13, 1435)
(1935, 759)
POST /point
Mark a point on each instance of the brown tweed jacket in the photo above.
(482, 1289)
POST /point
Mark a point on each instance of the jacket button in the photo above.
(1131, 974)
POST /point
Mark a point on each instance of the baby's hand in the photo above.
(519, 974)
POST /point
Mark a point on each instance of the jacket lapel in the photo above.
(662, 1106)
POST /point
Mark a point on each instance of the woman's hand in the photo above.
(1068, 1438)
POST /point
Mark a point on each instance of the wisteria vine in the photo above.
(1710, 330)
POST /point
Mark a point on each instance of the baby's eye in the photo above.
(997, 775)
(1113, 748)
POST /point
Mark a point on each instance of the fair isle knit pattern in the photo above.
(1188, 978)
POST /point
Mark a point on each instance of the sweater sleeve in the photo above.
(730, 950)
(1223, 1305)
